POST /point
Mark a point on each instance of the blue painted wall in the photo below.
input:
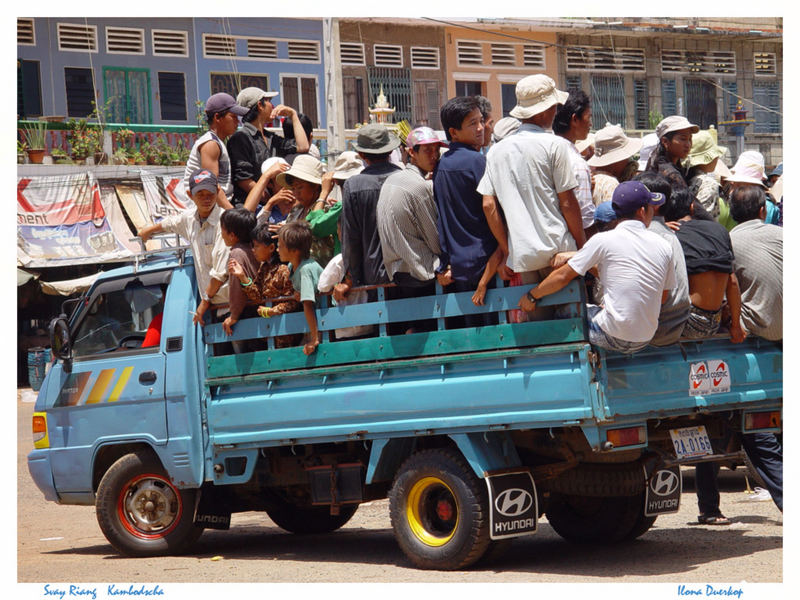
(195, 66)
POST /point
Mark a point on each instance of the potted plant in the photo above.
(21, 147)
(84, 140)
(60, 157)
(35, 137)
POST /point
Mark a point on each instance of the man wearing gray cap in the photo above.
(252, 144)
(222, 114)
(361, 244)
(530, 175)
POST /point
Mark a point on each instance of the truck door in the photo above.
(115, 390)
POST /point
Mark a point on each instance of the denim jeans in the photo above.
(598, 337)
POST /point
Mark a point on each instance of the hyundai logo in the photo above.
(664, 483)
(513, 502)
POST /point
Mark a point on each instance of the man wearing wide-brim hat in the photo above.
(361, 244)
(613, 150)
(530, 175)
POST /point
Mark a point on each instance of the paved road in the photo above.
(64, 544)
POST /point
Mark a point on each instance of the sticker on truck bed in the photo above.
(513, 510)
(709, 377)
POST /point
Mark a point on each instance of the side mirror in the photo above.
(61, 342)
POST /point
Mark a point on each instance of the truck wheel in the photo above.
(140, 512)
(439, 510)
(309, 519)
(585, 519)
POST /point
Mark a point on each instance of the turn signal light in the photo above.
(39, 428)
(629, 436)
(762, 420)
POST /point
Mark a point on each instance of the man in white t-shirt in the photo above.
(634, 266)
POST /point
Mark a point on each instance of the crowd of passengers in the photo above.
(673, 244)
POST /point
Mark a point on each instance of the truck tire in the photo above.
(309, 519)
(439, 510)
(586, 519)
(599, 480)
(140, 512)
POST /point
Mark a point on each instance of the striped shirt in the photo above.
(583, 192)
(193, 163)
(407, 216)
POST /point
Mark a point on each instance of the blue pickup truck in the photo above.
(472, 433)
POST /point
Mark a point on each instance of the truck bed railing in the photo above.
(384, 347)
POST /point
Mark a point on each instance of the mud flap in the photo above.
(513, 509)
(663, 492)
(209, 514)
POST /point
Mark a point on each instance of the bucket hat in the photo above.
(504, 128)
(375, 139)
(704, 149)
(347, 164)
(535, 94)
(722, 170)
(749, 168)
(582, 145)
(304, 167)
(250, 96)
(674, 123)
(612, 145)
(649, 143)
(271, 161)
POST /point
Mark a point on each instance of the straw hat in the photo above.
(304, 167)
(347, 164)
(612, 145)
(749, 168)
(649, 143)
(535, 94)
(704, 149)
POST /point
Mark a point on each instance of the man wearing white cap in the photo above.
(252, 144)
(530, 175)
(407, 216)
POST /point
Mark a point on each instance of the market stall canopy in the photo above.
(68, 287)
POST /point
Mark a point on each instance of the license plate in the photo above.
(691, 442)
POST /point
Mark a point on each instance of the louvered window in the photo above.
(304, 51)
(352, 53)
(503, 55)
(469, 53)
(262, 48)
(124, 40)
(388, 56)
(766, 107)
(583, 58)
(77, 38)
(641, 103)
(718, 62)
(424, 58)
(219, 45)
(533, 56)
(764, 63)
(170, 43)
(25, 32)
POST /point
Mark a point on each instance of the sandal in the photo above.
(713, 520)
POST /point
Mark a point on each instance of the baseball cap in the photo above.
(250, 96)
(629, 196)
(674, 123)
(223, 102)
(604, 212)
(423, 135)
(202, 179)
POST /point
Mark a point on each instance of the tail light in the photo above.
(39, 428)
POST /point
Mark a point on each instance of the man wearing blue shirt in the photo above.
(465, 238)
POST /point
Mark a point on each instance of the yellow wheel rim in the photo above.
(432, 511)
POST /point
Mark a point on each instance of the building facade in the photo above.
(404, 57)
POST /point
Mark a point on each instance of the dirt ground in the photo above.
(64, 544)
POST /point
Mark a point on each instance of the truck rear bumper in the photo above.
(42, 474)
